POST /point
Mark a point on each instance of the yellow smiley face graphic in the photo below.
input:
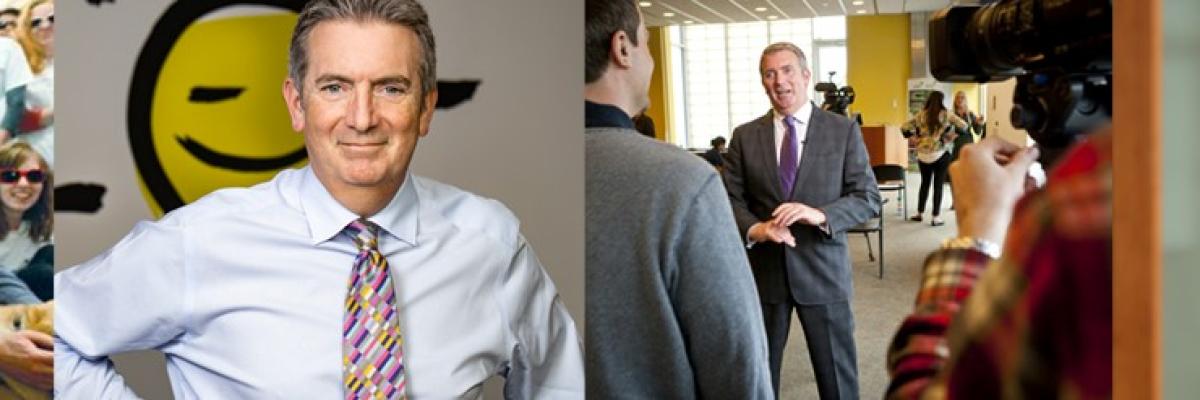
(205, 109)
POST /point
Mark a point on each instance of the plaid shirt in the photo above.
(1035, 324)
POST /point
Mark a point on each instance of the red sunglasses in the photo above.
(14, 175)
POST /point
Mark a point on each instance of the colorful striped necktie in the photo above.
(372, 355)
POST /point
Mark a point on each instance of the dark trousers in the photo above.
(934, 173)
(829, 331)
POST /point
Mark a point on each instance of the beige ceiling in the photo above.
(727, 11)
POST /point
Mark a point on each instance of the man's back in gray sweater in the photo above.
(672, 310)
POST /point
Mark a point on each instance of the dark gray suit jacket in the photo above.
(834, 176)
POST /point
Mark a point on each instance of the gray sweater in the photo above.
(671, 305)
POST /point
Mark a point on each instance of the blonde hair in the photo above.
(34, 51)
(965, 107)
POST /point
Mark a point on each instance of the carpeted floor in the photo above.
(879, 304)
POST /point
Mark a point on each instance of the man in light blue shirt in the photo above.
(244, 291)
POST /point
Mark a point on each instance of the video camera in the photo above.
(836, 100)
(1059, 50)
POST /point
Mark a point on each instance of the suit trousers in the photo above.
(829, 331)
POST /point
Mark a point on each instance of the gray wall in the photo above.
(1181, 200)
(519, 140)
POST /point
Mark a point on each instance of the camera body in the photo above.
(1060, 51)
(837, 100)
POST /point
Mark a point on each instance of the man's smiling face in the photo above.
(361, 109)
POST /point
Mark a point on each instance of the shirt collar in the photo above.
(327, 218)
(802, 115)
(598, 115)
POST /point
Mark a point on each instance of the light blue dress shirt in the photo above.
(243, 291)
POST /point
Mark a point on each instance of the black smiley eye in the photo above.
(206, 94)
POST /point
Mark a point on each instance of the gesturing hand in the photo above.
(789, 213)
(769, 231)
(988, 178)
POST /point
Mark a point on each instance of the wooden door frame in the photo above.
(1137, 199)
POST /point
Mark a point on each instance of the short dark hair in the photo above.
(783, 46)
(602, 20)
(407, 13)
(717, 141)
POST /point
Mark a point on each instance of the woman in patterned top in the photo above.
(932, 130)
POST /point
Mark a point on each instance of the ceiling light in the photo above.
(855, 2)
(760, 9)
(668, 14)
(644, 3)
(772, 17)
(861, 12)
(689, 22)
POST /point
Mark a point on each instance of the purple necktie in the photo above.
(787, 158)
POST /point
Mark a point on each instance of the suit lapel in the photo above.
(812, 142)
(766, 139)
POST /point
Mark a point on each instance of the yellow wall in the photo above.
(660, 92)
(877, 52)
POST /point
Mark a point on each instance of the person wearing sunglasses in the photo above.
(8, 20)
(35, 33)
(28, 219)
(25, 229)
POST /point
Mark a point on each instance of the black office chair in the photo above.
(893, 178)
(889, 177)
(873, 225)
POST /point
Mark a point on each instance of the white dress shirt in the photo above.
(243, 292)
(802, 116)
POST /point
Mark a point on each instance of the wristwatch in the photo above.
(987, 247)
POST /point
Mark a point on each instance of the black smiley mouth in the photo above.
(215, 94)
(239, 163)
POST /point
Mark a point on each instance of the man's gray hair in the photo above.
(407, 13)
(784, 46)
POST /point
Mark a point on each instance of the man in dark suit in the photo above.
(797, 178)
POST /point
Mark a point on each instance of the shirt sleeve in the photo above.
(910, 127)
(16, 66)
(132, 297)
(547, 357)
(733, 175)
(919, 349)
(957, 121)
(859, 200)
(14, 291)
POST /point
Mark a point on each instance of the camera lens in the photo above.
(1002, 33)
